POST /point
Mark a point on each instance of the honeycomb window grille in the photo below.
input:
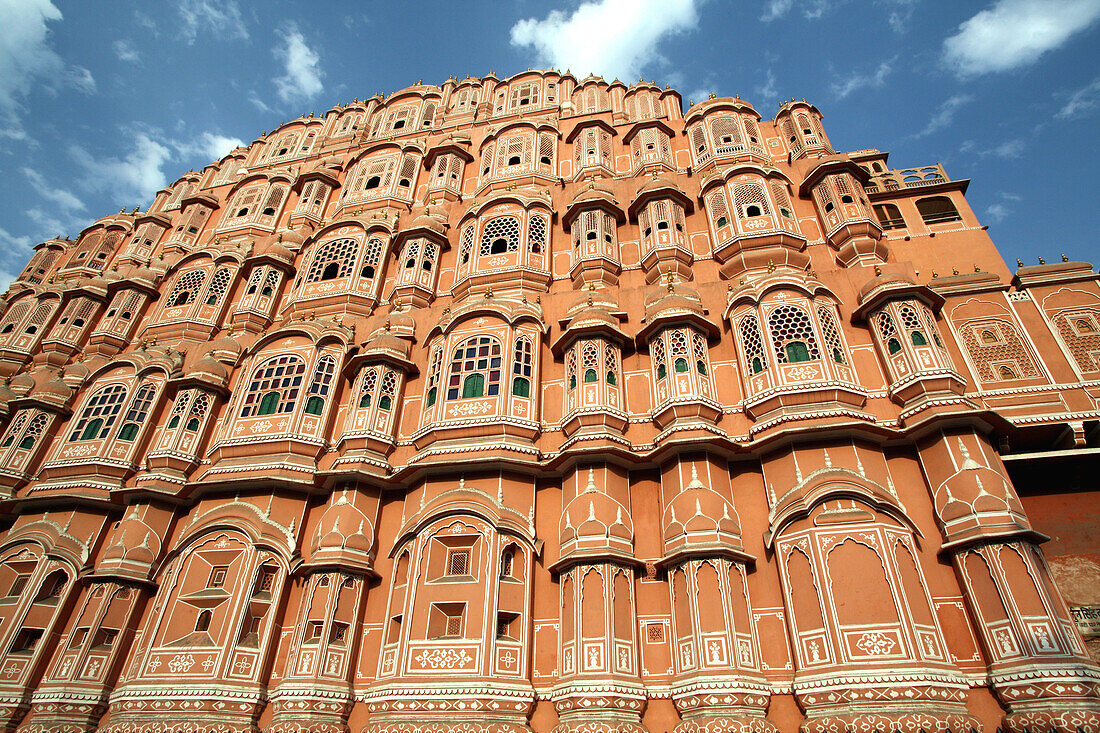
(660, 367)
(750, 200)
(934, 331)
(39, 317)
(501, 235)
(388, 390)
(274, 387)
(199, 409)
(254, 281)
(824, 195)
(756, 358)
(99, 414)
(1006, 349)
(699, 351)
(14, 317)
(719, 211)
(407, 177)
(371, 256)
(571, 368)
(548, 147)
(1080, 331)
(911, 322)
(830, 333)
(521, 368)
(726, 133)
(475, 369)
(104, 250)
(412, 254)
(320, 384)
(186, 288)
(792, 335)
(179, 409)
(700, 147)
(245, 203)
(782, 200)
(536, 234)
(611, 365)
(366, 389)
(467, 246)
(34, 432)
(514, 154)
(219, 283)
(138, 412)
(14, 429)
(433, 378)
(678, 350)
(271, 281)
(334, 259)
(590, 363)
(888, 332)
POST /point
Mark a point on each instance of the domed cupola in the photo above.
(596, 525)
(345, 537)
(134, 548)
(699, 520)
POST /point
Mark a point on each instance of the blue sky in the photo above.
(102, 103)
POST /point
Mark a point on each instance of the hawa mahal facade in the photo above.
(537, 404)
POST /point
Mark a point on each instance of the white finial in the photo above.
(591, 511)
(336, 525)
(797, 470)
(500, 492)
(859, 465)
(568, 523)
(619, 515)
(695, 483)
(343, 497)
(828, 459)
(591, 480)
(698, 507)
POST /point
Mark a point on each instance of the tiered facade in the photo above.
(536, 404)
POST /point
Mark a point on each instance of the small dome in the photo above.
(656, 183)
(676, 298)
(225, 347)
(210, 367)
(700, 514)
(595, 298)
(594, 518)
(343, 528)
(886, 280)
(431, 223)
(6, 393)
(54, 390)
(22, 383)
(133, 543)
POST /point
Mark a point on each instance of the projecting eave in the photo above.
(584, 125)
(828, 165)
(885, 194)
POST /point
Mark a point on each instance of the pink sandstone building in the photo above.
(539, 404)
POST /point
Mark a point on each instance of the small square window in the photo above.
(458, 562)
(217, 576)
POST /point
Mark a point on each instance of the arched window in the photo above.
(611, 364)
(187, 286)
(590, 363)
(433, 378)
(370, 258)
(500, 235)
(202, 623)
(699, 349)
(889, 216)
(475, 369)
(13, 430)
(659, 359)
(99, 413)
(831, 334)
(138, 412)
(521, 368)
(198, 410)
(366, 390)
(334, 258)
(319, 387)
(389, 388)
(218, 285)
(467, 246)
(888, 332)
(792, 335)
(536, 234)
(38, 424)
(937, 209)
(1006, 372)
(275, 386)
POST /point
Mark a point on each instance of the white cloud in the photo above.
(900, 13)
(1082, 102)
(255, 101)
(27, 60)
(17, 251)
(1006, 150)
(209, 145)
(945, 115)
(302, 80)
(858, 81)
(133, 178)
(64, 200)
(125, 50)
(1003, 207)
(776, 9)
(613, 38)
(698, 95)
(221, 19)
(1012, 33)
(768, 92)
